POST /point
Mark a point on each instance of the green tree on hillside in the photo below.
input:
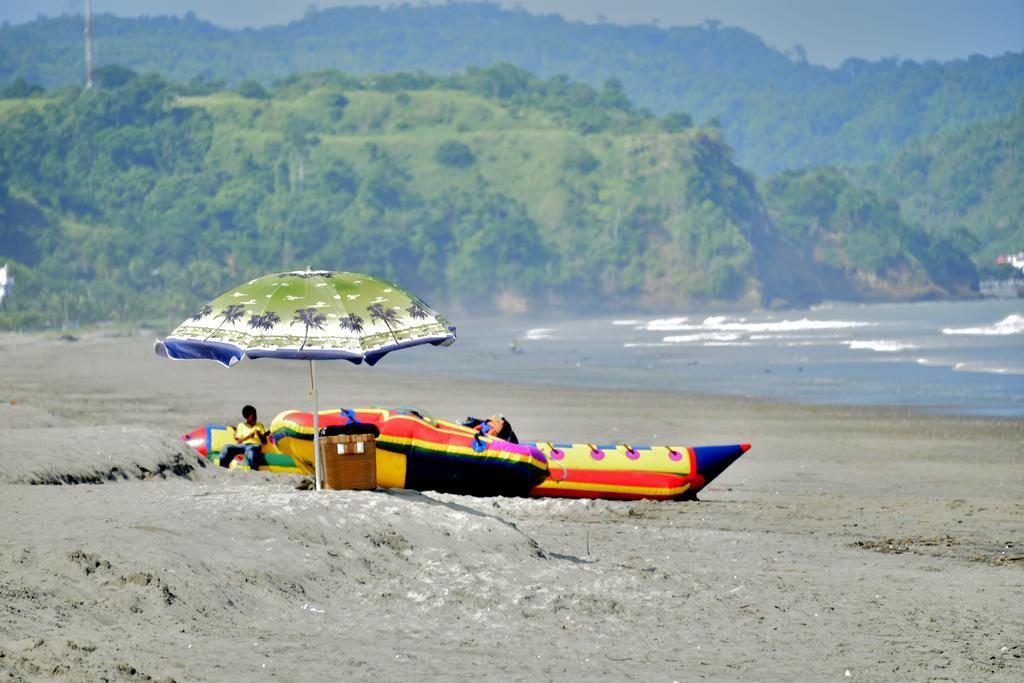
(252, 90)
(19, 88)
(455, 154)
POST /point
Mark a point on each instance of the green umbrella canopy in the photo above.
(308, 315)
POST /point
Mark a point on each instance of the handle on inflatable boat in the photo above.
(418, 412)
(565, 472)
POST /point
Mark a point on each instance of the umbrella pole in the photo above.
(316, 426)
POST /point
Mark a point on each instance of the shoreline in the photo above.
(417, 376)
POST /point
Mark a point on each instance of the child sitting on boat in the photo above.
(250, 436)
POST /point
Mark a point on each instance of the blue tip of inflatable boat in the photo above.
(712, 460)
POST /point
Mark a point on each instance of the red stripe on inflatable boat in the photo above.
(612, 484)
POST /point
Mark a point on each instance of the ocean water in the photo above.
(964, 358)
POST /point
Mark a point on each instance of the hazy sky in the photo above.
(830, 30)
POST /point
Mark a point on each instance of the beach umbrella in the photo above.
(308, 315)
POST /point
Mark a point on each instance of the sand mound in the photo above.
(92, 455)
(231, 566)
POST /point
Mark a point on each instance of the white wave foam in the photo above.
(880, 345)
(1003, 371)
(704, 336)
(792, 325)
(625, 322)
(639, 345)
(538, 333)
(728, 343)
(665, 324)
(1011, 324)
(974, 367)
(963, 366)
(770, 337)
(721, 323)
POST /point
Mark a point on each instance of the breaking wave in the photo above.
(665, 324)
(721, 323)
(1011, 324)
(965, 366)
(880, 345)
(538, 333)
(975, 367)
(703, 337)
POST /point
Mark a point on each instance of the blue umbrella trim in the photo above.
(373, 356)
(189, 349)
(229, 354)
(306, 354)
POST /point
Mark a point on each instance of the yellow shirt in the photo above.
(246, 434)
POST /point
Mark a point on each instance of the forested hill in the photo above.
(136, 199)
(776, 111)
(966, 185)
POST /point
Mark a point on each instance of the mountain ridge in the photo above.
(777, 113)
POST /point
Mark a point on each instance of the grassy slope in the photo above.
(523, 153)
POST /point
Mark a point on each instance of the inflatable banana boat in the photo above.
(418, 452)
(631, 472)
(414, 452)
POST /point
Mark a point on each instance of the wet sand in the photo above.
(870, 541)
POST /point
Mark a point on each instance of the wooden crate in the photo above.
(350, 461)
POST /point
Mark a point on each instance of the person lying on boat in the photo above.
(250, 437)
(496, 426)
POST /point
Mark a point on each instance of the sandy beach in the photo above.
(848, 544)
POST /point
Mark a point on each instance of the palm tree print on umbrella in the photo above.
(416, 311)
(231, 315)
(385, 315)
(202, 313)
(266, 321)
(352, 322)
(270, 319)
(311, 319)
